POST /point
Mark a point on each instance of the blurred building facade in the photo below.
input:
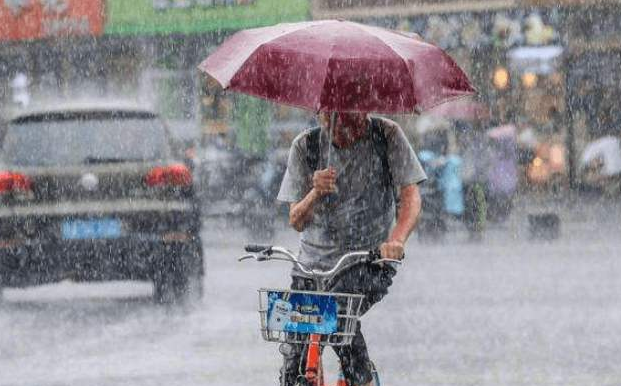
(142, 50)
(539, 64)
(31, 50)
(549, 65)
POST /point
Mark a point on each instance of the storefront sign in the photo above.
(36, 19)
(164, 5)
(431, 4)
(535, 60)
(504, 29)
(195, 16)
(362, 9)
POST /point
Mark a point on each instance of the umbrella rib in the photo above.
(261, 43)
(431, 46)
(405, 62)
(325, 77)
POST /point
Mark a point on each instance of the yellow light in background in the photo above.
(529, 80)
(501, 78)
(557, 157)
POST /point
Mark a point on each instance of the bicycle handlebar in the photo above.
(266, 252)
(255, 248)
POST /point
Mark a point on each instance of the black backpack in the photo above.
(378, 138)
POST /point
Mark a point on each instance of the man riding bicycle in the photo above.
(349, 204)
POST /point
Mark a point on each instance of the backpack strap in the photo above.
(380, 144)
(312, 148)
(378, 139)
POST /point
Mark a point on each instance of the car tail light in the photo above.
(176, 236)
(14, 182)
(172, 175)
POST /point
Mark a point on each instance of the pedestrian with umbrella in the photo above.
(469, 120)
(347, 180)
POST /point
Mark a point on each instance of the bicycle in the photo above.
(315, 319)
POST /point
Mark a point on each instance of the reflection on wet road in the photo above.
(506, 312)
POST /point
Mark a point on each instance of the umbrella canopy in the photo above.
(332, 65)
(463, 110)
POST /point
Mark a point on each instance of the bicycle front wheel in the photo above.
(376, 379)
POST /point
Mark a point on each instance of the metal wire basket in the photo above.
(340, 331)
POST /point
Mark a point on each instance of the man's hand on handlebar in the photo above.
(392, 249)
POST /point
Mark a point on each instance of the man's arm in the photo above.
(301, 212)
(409, 209)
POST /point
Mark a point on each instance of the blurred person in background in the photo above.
(502, 174)
(527, 141)
(20, 95)
(438, 153)
(473, 146)
(443, 192)
(600, 163)
(548, 165)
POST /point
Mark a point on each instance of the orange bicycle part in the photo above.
(314, 367)
(313, 373)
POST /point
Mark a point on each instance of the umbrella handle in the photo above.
(331, 128)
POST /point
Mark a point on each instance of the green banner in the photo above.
(138, 17)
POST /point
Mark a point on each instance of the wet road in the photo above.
(509, 311)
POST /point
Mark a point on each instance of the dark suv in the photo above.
(94, 193)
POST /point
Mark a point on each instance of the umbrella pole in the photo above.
(332, 124)
(329, 198)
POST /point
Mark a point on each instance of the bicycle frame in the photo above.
(314, 365)
(314, 370)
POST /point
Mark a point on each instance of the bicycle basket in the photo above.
(290, 316)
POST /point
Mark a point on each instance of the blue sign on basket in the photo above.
(301, 313)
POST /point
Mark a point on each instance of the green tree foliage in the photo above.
(252, 118)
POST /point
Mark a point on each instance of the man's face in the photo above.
(346, 123)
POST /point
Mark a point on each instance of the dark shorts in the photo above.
(370, 280)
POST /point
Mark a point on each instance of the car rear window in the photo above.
(73, 140)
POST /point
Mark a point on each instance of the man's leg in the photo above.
(355, 362)
(292, 362)
(475, 210)
(372, 281)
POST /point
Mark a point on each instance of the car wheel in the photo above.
(1, 290)
(178, 275)
(194, 290)
(165, 284)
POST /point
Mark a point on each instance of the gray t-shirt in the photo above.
(360, 215)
